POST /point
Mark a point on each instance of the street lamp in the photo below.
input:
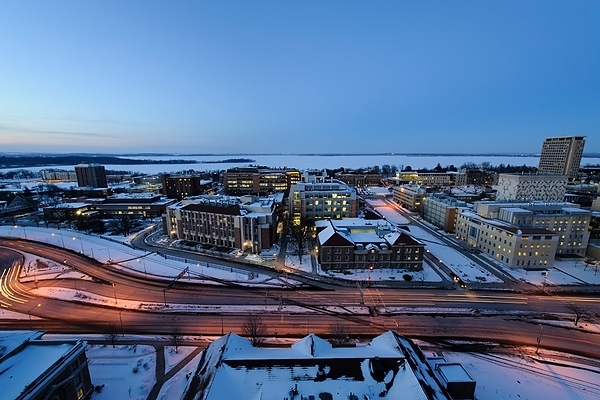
(61, 239)
(145, 273)
(81, 243)
(121, 319)
(115, 292)
(29, 314)
(108, 250)
(539, 339)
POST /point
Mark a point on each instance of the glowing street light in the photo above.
(61, 239)
(29, 314)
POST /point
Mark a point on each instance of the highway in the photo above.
(505, 317)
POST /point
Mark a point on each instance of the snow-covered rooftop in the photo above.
(312, 368)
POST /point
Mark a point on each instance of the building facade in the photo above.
(562, 155)
(245, 223)
(531, 187)
(133, 205)
(48, 175)
(525, 235)
(355, 243)
(259, 181)
(182, 186)
(475, 176)
(61, 371)
(527, 248)
(322, 198)
(360, 178)
(409, 196)
(442, 210)
(91, 175)
(567, 220)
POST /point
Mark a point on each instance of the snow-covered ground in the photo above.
(120, 256)
(174, 356)
(504, 377)
(499, 376)
(127, 372)
(173, 389)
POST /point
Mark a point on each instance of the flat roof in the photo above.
(19, 371)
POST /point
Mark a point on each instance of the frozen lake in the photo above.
(304, 162)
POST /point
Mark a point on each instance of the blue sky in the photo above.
(297, 77)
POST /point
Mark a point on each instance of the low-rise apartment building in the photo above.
(245, 223)
(409, 196)
(355, 243)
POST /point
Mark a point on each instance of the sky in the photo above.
(297, 77)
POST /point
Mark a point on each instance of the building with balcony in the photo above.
(355, 243)
(245, 223)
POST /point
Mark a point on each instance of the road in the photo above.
(415, 313)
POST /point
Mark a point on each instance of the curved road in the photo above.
(286, 312)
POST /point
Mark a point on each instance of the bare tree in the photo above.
(124, 225)
(254, 328)
(112, 334)
(176, 339)
(300, 233)
(339, 334)
(579, 311)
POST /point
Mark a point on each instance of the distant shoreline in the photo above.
(121, 156)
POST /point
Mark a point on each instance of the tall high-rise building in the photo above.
(92, 175)
(562, 155)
